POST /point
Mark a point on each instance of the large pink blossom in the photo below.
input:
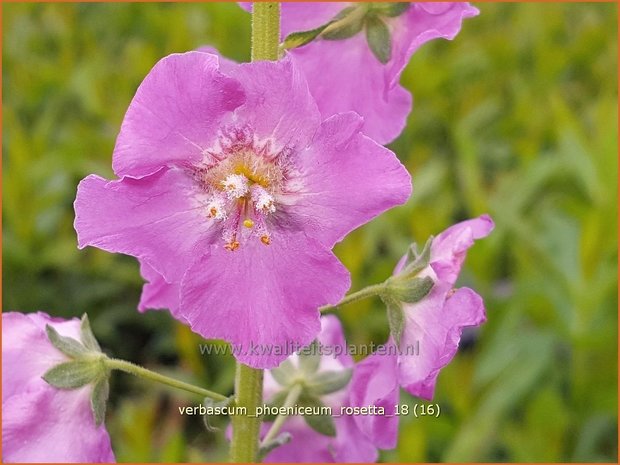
(41, 423)
(434, 324)
(232, 192)
(345, 75)
(358, 437)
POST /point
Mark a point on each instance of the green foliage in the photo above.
(516, 117)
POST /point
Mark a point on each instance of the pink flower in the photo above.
(39, 422)
(344, 74)
(232, 192)
(357, 436)
(435, 323)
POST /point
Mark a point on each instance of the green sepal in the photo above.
(310, 358)
(378, 37)
(346, 24)
(284, 373)
(323, 424)
(87, 336)
(299, 39)
(328, 382)
(279, 440)
(277, 401)
(417, 261)
(74, 374)
(209, 403)
(391, 9)
(67, 345)
(410, 290)
(99, 399)
(396, 318)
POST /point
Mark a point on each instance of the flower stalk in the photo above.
(291, 398)
(369, 291)
(136, 370)
(249, 381)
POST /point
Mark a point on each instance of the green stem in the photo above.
(265, 30)
(244, 446)
(291, 398)
(246, 428)
(136, 370)
(370, 291)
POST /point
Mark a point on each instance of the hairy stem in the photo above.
(265, 30)
(136, 370)
(246, 428)
(370, 291)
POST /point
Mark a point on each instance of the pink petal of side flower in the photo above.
(344, 75)
(450, 247)
(352, 444)
(436, 326)
(39, 422)
(375, 383)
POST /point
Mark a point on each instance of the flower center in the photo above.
(240, 181)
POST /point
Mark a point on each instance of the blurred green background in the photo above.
(516, 117)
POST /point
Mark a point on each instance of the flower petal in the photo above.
(42, 424)
(263, 299)
(155, 218)
(306, 445)
(332, 337)
(357, 83)
(348, 179)
(157, 293)
(422, 23)
(375, 383)
(351, 445)
(278, 102)
(27, 352)
(357, 80)
(436, 325)
(175, 114)
(449, 249)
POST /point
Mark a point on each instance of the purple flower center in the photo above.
(239, 182)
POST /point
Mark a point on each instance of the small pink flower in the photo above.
(345, 75)
(435, 323)
(232, 192)
(41, 423)
(357, 436)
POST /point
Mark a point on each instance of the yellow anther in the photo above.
(265, 239)
(248, 223)
(213, 212)
(232, 245)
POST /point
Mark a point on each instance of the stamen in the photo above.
(216, 209)
(263, 201)
(248, 223)
(265, 239)
(232, 245)
(235, 185)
